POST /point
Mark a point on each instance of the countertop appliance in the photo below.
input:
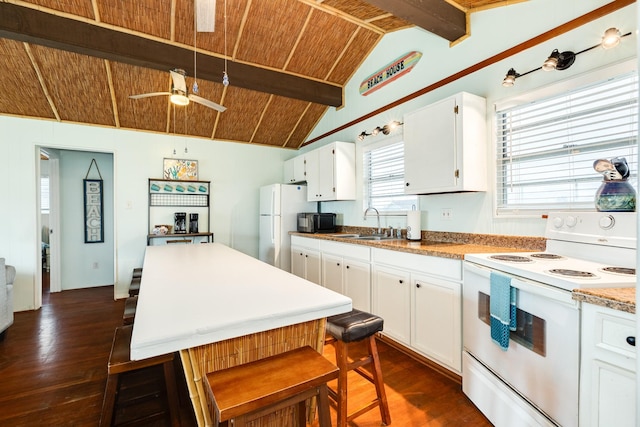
(312, 222)
(279, 207)
(535, 380)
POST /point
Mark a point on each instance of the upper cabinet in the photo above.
(295, 170)
(445, 146)
(329, 172)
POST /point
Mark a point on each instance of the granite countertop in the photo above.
(623, 299)
(440, 244)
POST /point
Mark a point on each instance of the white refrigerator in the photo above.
(279, 207)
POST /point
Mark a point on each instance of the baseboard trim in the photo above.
(420, 358)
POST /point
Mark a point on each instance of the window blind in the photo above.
(546, 148)
(44, 194)
(384, 178)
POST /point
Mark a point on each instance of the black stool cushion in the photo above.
(354, 326)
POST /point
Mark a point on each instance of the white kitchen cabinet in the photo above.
(305, 259)
(445, 146)
(392, 301)
(436, 319)
(608, 371)
(330, 172)
(346, 269)
(419, 298)
(294, 170)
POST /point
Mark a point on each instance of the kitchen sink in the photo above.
(363, 237)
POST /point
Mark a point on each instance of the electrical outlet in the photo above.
(446, 214)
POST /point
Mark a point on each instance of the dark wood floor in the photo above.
(53, 373)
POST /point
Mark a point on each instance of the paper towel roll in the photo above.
(414, 231)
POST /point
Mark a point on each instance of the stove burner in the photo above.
(620, 270)
(545, 255)
(572, 273)
(511, 258)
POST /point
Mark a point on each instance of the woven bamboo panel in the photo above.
(279, 120)
(474, 4)
(82, 8)
(147, 16)
(199, 361)
(360, 47)
(22, 93)
(356, 8)
(276, 40)
(147, 113)
(311, 117)
(82, 75)
(244, 109)
(325, 46)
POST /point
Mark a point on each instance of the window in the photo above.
(546, 148)
(384, 177)
(44, 194)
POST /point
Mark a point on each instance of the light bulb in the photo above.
(611, 38)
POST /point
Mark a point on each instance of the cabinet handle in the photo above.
(338, 264)
(407, 184)
(347, 266)
(306, 256)
(631, 341)
(418, 285)
(401, 281)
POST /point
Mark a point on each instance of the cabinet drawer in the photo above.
(434, 266)
(612, 333)
(305, 242)
(347, 250)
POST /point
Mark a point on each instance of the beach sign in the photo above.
(389, 72)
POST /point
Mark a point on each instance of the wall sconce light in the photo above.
(562, 60)
(385, 130)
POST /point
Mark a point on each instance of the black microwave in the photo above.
(312, 222)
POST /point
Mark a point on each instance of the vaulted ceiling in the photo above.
(77, 61)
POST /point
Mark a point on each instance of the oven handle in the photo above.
(524, 285)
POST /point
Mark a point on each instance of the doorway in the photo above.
(69, 261)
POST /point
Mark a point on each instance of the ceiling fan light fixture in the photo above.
(611, 38)
(178, 98)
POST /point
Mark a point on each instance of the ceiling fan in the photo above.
(179, 95)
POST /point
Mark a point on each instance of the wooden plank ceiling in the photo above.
(77, 61)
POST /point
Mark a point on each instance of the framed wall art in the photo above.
(180, 169)
(93, 207)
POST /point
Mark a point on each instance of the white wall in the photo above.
(492, 31)
(236, 172)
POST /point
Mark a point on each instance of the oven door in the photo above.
(542, 361)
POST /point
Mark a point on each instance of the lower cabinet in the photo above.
(608, 368)
(305, 259)
(346, 269)
(419, 298)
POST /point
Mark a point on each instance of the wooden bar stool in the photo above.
(130, 306)
(137, 272)
(347, 328)
(246, 392)
(134, 287)
(120, 362)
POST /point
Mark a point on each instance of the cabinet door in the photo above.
(298, 261)
(312, 266)
(326, 171)
(357, 284)
(436, 320)
(299, 169)
(613, 396)
(391, 301)
(312, 169)
(332, 273)
(430, 147)
(288, 172)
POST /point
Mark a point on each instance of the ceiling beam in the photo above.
(436, 16)
(34, 26)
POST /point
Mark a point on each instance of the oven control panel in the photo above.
(602, 228)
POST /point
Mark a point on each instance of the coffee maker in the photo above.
(193, 223)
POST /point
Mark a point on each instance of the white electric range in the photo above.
(537, 376)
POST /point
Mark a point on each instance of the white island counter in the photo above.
(221, 308)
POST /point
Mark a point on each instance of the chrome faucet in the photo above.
(377, 215)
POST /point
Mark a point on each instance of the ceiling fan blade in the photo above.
(179, 81)
(207, 103)
(205, 16)
(147, 95)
